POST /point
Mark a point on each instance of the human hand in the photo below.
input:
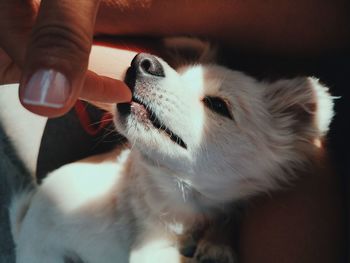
(55, 39)
(47, 47)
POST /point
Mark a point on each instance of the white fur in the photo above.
(107, 208)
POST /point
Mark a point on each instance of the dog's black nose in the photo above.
(146, 64)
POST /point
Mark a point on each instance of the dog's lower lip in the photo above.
(141, 112)
(144, 113)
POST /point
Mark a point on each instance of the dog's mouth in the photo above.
(146, 116)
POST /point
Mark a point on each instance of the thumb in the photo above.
(57, 56)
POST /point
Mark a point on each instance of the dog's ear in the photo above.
(302, 106)
(187, 50)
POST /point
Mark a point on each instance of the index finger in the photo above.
(57, 56)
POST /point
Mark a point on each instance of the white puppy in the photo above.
(201, 138)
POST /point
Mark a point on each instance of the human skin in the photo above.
(278, 27)
(58, 37)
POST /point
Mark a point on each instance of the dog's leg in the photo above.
(212, 243)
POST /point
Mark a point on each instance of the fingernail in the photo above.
(48, 88)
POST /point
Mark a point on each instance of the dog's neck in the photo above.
(162, 192)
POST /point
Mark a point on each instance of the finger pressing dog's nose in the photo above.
(147, 65)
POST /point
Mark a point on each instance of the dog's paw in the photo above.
(208, 252)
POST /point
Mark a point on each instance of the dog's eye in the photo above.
(218, 105)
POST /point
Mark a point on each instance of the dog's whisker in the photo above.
(101, 121)
(105, 135)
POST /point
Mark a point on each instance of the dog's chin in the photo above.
(143, 136)
(139, 115)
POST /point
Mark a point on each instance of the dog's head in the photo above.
(222, 132)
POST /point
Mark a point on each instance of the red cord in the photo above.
(93, 130)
